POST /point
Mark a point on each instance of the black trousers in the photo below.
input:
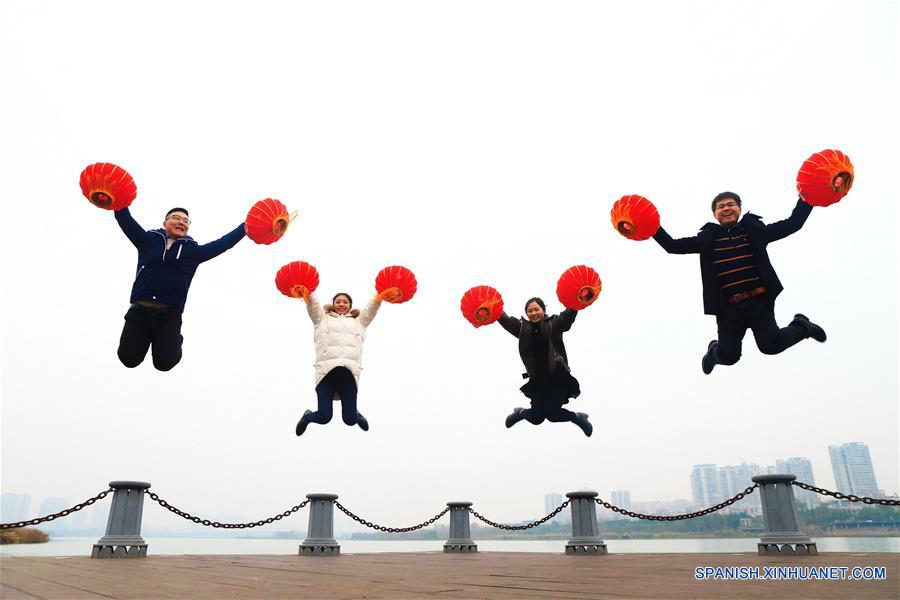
(338, 381)
(758, 314)
(146, 327)
(547, 395)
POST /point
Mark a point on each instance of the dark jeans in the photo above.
(338, 381)
(146, 326)
(758, 314)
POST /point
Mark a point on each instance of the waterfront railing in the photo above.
(782, 535)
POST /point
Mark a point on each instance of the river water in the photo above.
(74, 546)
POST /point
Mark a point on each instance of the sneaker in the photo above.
(709, 359)
(812, 330)
(362, 422)
(303, 422)
(581, 419)
(517, 415)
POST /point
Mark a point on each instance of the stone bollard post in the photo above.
(585, 533)
(460, 534)
(320, 533)
(782, 534)
(123, 528)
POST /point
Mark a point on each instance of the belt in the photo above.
(159, 309)
(740, 297)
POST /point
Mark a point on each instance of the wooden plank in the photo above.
(418, 575)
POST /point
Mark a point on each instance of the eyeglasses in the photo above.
(180, 219)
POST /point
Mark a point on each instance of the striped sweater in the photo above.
(734, 262)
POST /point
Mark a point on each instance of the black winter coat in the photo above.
(551, 328)
(759, 235)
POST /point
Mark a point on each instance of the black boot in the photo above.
(812, 330)
(303, 422)
(709, 359)
(581, 419)
(362, 421)
(517, 415)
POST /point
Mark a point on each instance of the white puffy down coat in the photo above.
(339, 338)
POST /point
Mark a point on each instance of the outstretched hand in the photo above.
(391, 294)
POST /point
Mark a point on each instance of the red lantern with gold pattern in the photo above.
(481, 305)
(267, 221)
(395, 284)
(825, 177)
(297, 279)
(635, 217)
(578, 287)
(108, 186)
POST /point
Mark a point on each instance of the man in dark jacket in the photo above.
(739, 283)
(167, 260)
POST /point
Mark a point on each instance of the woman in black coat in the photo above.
(550, 383)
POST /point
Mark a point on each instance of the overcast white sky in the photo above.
(476, 143)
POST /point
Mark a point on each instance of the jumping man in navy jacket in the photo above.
(167, 260)
(739, 283)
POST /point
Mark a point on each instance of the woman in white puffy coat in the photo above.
(339, 333)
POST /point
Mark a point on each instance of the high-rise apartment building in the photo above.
(551, 502)
(801, 467)
(705, 485)
(853, 471)
(14, 507)
(621, 498)
(737, 478)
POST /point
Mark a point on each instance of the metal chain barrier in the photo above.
(848, 497)
(371, 525)
(520, 527)
(699, 513)
(216, 524)
(61, 513)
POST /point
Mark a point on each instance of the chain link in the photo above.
(62, 513)
(692, 515)
(848, 497)
(520, 527)
(208, 523)
(371, 525)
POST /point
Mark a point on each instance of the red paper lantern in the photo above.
(635, 217)
(396, 284)
(825, 177)
(108, 186)
(297, 279)
(481, 305)
(267, 221)
(578, 287)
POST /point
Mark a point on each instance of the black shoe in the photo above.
(303, 422)
(362, 422)
(812, 330)
(581, 419)
(709, 359)
(516, 416)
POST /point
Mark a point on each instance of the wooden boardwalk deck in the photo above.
(429, 575)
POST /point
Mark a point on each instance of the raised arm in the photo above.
(226, 242)
(565, 319)
(314, 309)
(792, 224)
(688, 245)
(136, 234)
(369, 311)
(513, 326)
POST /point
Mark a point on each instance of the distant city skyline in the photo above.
(709, 485)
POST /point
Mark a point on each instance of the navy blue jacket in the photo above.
(759, 235)
(165, 275)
